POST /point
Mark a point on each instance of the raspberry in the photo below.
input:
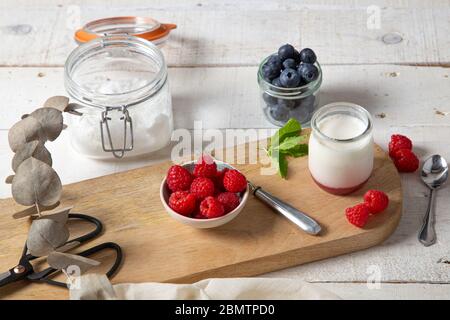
(182, 202)
(205, 167)
(234, 181)
(358, 215)
(229, 201)
(405, 160)
(210, 207)
(218, 180)
(376, 201)
(199, 216)
(399, 142)
(178, 178)
(202, 187)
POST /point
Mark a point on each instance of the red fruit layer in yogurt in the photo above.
(339, 191)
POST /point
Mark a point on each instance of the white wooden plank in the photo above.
(212, 33)
(388, 291)
(229, 97)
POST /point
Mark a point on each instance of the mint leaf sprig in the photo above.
(287, 142)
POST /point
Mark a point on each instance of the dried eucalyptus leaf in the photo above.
(51, 121)
(62, 261)
(36, 182)
(72, 109)
(60, 216)
(26, 130)
(68, 246)
(9, 179)
(35, 149)
(48, 233)
(33, 211)
(57, 102)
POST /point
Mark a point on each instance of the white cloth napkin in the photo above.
(98, 287)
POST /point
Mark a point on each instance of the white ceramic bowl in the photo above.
(202, 223)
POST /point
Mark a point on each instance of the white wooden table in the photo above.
(213, 57)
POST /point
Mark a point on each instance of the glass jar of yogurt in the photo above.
(341, 147)
(122, 99)
(280, 104)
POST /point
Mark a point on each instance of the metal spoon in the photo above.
(301, 219)
(434, 174)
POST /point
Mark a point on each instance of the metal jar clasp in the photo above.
(128, 126)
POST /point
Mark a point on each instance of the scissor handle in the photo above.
(44, 274)
(98, 227)
(103, 246)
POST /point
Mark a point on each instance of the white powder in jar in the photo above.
(152, 121)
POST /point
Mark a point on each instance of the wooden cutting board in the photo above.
(158, 248)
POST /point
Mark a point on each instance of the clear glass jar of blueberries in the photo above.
(289, 81)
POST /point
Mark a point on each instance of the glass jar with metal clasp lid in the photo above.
(119, 83)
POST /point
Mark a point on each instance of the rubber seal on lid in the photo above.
(143, 27)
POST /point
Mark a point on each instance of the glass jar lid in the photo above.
(342, 109)
(143, 27)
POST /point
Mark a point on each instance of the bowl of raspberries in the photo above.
(289, 81)
(206, 193)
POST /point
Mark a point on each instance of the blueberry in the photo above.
(286, 103)
(307, 103)
(279, 113)
(301, 114)
(277, 82)
(289, 64)
(298, 102)
(290, 78)
(304, 109)
(275, 62)
(269, 72)
(270, 100)
(286, 51)
(297, 56)
(307, 56)
(308, 72)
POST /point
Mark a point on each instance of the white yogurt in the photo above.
(341, 126)
(333, 162)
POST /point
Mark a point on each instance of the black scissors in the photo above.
(25, 270)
